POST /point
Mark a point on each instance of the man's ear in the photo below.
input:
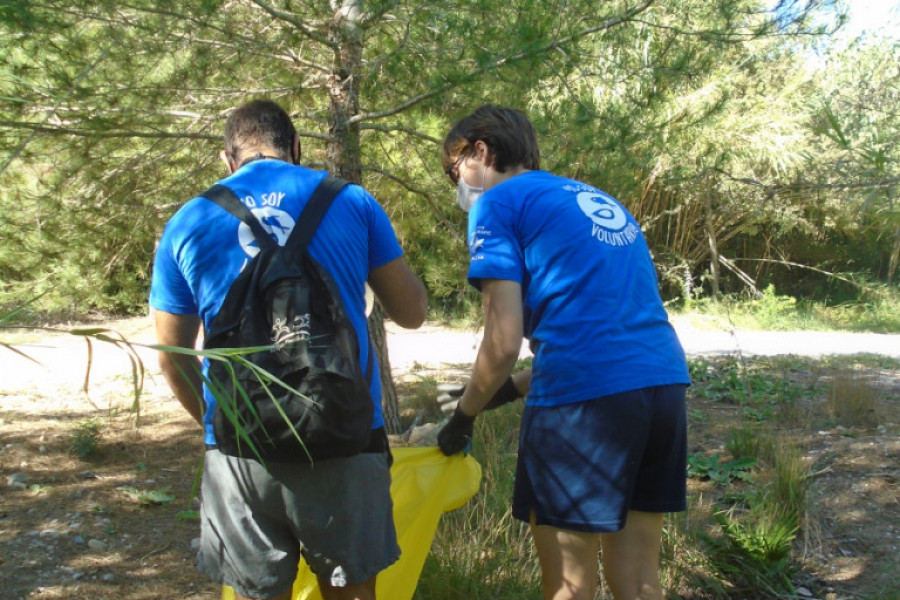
(295, 149)
(483, 152)
(226, 160)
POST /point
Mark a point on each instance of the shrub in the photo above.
(85, 438)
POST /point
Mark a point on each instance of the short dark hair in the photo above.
(259, 123)
(506, 131)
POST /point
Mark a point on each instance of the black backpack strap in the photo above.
(227, 199)
(315, 209)
(313, 213)
(369, 373)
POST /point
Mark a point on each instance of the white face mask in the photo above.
(466, 195)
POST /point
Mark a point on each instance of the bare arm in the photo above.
(522, 381)
(181, 371)
(500, 347)
(400, 292)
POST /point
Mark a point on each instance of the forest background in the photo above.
(755, 143)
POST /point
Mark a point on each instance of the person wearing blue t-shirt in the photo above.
(257, 520)
(602, 446)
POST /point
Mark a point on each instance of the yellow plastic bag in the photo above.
(424, 484)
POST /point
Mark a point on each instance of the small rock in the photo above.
(195, 544)
(78, 540)
(805, 592)
(97, 545)
(17, 481)
(108, 577)
(424, 435)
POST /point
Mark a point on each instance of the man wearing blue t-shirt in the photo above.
(602, 446)
(256, 520)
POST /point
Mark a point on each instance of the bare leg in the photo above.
(568, 562)
(631, 557)
(361, 591)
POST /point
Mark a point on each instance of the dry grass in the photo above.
(852, 402)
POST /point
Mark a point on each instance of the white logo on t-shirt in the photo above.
(602, 210)
(610, 221)
(476, 242)
(277, 223)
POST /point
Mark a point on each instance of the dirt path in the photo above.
(62, 360)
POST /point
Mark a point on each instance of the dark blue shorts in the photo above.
(583, 466)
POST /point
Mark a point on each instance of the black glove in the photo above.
(450, 393)
(506, 394)
(457, 433)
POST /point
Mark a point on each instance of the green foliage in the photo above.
(148, 497)
(718, 471)
(876, 310)
(753, 553)
(110, 129)
(698, 369)
(85, 437)
(791, 480)
(744, 443)
(761, 393)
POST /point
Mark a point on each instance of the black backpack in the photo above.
(313, 402)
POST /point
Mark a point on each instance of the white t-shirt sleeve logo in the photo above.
(476, 242)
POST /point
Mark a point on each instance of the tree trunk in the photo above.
(713, 248)
(895, 257)
(342, 151)
(343, 154)
(389, 404)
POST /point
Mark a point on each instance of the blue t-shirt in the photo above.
(204, 248)
(592, 309)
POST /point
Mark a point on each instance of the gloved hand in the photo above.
(450, 393)
(457, 433)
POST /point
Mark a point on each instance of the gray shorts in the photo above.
(255, 523)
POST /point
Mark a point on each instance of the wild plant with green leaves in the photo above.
(753, 552)
(84, 439)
